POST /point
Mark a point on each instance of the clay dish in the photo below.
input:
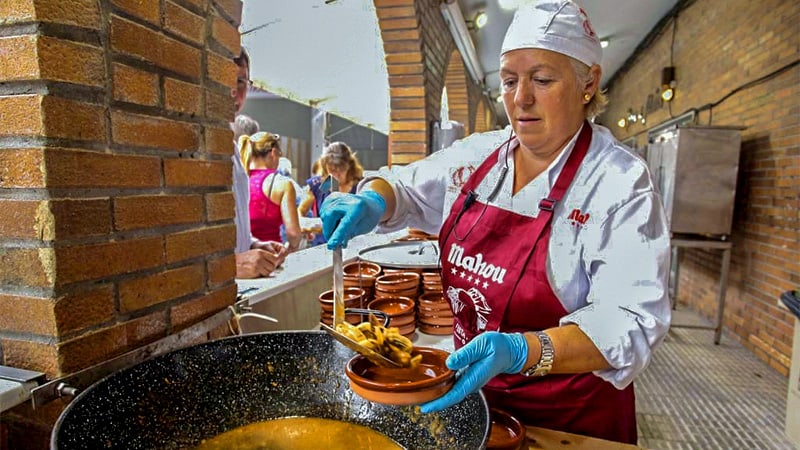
(430, 380)
(393, 306)
(442, 321)
(363, 268)
(435, 329)
(397, 281)
(389, 270)
(352, 298)
(507, 432)
(408, 293)
(353, 319)
(402, 320)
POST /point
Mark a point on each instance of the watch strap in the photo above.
(547, 355)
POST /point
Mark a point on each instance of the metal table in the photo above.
(711, 244)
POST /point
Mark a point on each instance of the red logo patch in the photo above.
(461, 174)
(577, 219)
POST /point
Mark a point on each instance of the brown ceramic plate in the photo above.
(507, 432)
(430, 380)
(393, 306)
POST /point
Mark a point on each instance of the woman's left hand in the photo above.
(489, 354)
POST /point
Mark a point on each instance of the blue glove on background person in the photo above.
(488, 354)
(347, 215)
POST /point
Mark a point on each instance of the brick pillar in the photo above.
(418, 46)
(115, 180)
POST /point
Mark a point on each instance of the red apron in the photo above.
(485, 254)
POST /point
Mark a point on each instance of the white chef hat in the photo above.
(560, 26)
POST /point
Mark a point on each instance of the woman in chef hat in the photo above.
(554, 244)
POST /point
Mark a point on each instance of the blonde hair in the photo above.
(599, 100)
(258, 145)
(339, 155)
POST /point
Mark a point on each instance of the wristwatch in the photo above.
(545, 363)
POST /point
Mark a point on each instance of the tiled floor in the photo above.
(697, 395)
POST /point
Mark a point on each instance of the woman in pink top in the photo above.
(272, 196)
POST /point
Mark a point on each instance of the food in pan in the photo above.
(386, 341)
(300, 433)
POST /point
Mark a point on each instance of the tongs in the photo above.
(375, 357)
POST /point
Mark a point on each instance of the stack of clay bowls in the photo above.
(362, 274)
(433, 314)
(397, 284)
(431, 281)
(401, 312)
(353, 298)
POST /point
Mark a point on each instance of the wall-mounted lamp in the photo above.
(622, 122)
(604, 42)
(480, 19)
(667, 83)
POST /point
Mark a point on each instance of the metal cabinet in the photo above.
(695, 169)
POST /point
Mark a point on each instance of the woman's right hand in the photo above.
(347, 215)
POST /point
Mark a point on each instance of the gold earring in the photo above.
(587, 96)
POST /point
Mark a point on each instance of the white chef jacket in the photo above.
(608, 257)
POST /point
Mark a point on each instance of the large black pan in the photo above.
(176, 400)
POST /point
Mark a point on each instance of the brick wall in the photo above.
(720, 47)
(418, 48)
(115, 178)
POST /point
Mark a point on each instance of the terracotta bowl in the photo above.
(397, 281)
(352, 298)
(353, 319)
(402, 386)
(442, 321)
(435, 330)
(507, 433)
(363, 268)
(393, 306)
(408, 293)
(391, 270)
(402, 320)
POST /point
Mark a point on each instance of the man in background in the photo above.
(254, 258)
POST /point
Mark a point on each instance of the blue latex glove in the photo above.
(488, 354)
(347, 215)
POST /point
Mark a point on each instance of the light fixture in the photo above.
(622, 122)
(632, 117)
(667, 83)
(604, 43)
(499, 98)
(480, 19)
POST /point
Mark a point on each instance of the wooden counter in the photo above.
(544, 439)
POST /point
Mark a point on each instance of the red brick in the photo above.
(83, 13)
(27, 267)
(21, 168)
(195, 310)
(182, 97)
(135, 86)
(97, 261)
(153, 289)
(220, 206)
(92, 348)
(138, 41)
(31, 356)
(155, 132)
(21, 219)
(76, 168)
(219, 106)
(15, 123)
(22, 314)
(71, 62)
(226, 34)
(221, 69)
(18, 58)
(200, 242)
(218, 140)
(147, 10)
(69, 119)
(184, 23)
(96, 306)
(221, 270)
(198, 173)
(81, 217)
(232, 9)
(152, 211)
